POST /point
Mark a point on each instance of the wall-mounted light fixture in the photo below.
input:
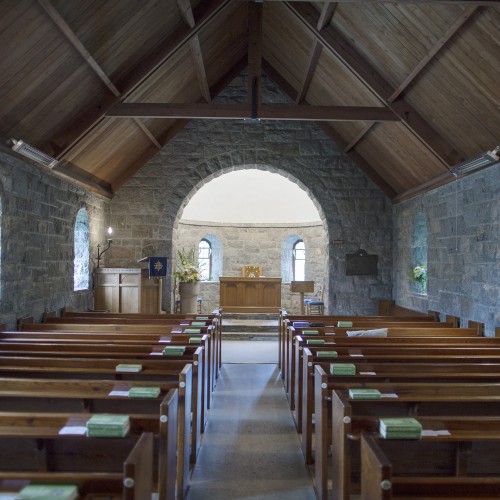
(106, 248)
(32, 153)
(482, 161)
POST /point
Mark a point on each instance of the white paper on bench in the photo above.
(367, 373)
(389, 395)
(73, 429)
(430, 432)
(119, 393)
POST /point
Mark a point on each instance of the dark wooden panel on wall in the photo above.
(361, 263)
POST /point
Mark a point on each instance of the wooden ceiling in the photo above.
(407, 88)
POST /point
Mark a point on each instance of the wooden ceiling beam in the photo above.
(312, 63)
(245, 111)
(461, 20)
(199, 65)
(450, 32)
(492, 3)
(69, 173)
(80, 47)
(195, 48)
(254, 55)
(72, 133)
(334, 136)
(172, 131)
(186, 11)
(326, 16)
(366, 73)
(70, 35)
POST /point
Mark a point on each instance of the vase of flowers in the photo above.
(419, 277)
(188, 274)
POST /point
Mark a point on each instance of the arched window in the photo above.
(81, 269)
(419, 254)
(205, 259)
(299, 261)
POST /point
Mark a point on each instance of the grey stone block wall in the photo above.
(259, 245)
(463, 249)
(355, 213)
(38, 214)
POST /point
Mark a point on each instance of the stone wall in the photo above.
(258, 244)
(463, 221)
(355, 213)
(37, 233)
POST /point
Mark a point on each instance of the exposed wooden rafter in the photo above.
(245, 111)
(254, 56)
(169, 134)
(195, 47)
(326, 15)
(362, 163)
(450, 32)
(80, 47)
(342, 49)
(437, 2)
(66, 139)
(312, 62)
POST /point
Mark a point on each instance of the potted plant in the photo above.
(419, 277)
(188, 274)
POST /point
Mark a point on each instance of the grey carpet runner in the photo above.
(250, 449)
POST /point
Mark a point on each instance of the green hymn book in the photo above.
(363, 393)
(48, 492)
(144, 392)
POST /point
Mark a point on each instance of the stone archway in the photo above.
(316, 235)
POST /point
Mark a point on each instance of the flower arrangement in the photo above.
(188, 269)
(419, 274)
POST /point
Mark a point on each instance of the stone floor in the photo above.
(250, 449)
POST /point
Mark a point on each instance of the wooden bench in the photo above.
(286, 320)
(379, 483)
(355, 350)
(56, 442)
(132, 482)
(215, 317)
(294, 368)
(104, 396)
(337, 332)
(162, 370)
(422, 399)
(396, 372)
(139, 330)
(117, 345)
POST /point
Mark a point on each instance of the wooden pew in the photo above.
(286, 320)
(375, 373)
(355, 346)
(379, 483)
(136, 329)
(410, 330)
(89, 343)
(292, 371)
(93, 396)
(162, 370)
(422, 399)
(53, 451)
(133, 482)
(215, 317)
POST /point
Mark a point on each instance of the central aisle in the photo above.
(250, 448)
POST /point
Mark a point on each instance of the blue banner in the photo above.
(157, 267)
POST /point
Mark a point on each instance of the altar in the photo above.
(246, 294)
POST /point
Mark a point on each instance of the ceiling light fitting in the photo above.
(32, 153)
(485, 160)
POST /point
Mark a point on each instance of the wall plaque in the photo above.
(361, 263)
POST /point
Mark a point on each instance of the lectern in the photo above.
(302, 287)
